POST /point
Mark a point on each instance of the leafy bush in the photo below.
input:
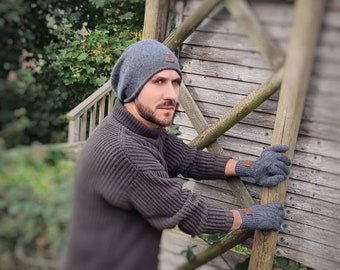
(56, 53)
(35, 198)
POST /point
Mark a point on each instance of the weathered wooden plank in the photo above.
(311, 247)
(327, 52)
(279, 13)
(228, 71)
(317, 111)
(258, 133)
(321, 208)
(306, 258)
(220, 84)
(308, 128)
(325, 86)
(308, 233)
(327, 48)
(242, 12)
(274, 13)
(308, 160)
(219, 193)
(315, 191)
(326, 69)
(229, 99)
(294, 215)
(243, 58)
(333, 4)
(320, 130)
(318, 108)
(218, 40)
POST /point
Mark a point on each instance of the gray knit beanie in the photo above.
(136, 66)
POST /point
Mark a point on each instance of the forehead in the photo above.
(167, 74)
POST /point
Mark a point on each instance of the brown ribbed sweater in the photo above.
(126, 193)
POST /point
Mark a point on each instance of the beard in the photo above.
(150, 116)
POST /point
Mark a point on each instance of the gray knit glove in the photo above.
(269, 169)
(262, 217)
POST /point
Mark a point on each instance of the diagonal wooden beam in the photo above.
(197, 119)
(176, 38)
(306, 25)
(226, 243)
(247, 19)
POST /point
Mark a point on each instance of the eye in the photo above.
(177, 82)
(159, 81)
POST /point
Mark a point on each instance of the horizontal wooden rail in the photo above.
(84, 118)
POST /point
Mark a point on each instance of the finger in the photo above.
(284, 168)
(279, 148)
(282, 157)
(279, 168)
(277, 205)
(273, 180)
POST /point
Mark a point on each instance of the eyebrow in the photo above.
(157, 77)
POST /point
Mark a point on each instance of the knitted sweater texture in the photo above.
(126, 192)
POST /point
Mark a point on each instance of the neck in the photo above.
(131, 108)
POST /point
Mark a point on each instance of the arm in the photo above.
(191, 162)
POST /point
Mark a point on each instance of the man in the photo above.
(126, 190)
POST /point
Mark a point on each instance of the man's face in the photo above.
(156, 103)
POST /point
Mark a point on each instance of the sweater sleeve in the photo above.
(164, 204)
(191, 162)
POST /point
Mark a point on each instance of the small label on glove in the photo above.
(247, 163)
(247, 211)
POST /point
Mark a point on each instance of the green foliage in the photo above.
(188, 253)
(242, 249)
(286, 264)
(35, 198)
(56, 54)
(173, 129)
(211, 238)
(243, 265)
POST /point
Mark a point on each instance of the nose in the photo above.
(172, 91)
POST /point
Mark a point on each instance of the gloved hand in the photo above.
(262, 217)
(269, 169)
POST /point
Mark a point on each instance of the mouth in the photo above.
(167, 107)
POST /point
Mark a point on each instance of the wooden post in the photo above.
(247, 19)
(155, 19)
(306, 25)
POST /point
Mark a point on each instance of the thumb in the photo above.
(279, 148)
